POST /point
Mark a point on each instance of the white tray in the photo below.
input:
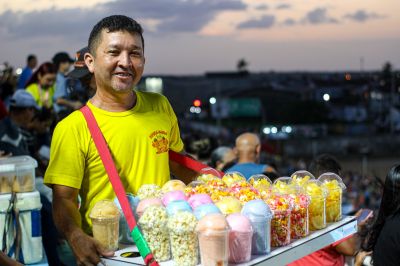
(278, 256)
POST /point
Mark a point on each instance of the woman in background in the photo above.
(384, 238)
(41, 85)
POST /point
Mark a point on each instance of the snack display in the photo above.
(301, 177)
(173, 196)
(196, 187)
(105, 220)
(199, 199)
(149, 191)
(183, 238)
(153, 223)
(178, 206)
(213, 234)
(145, 203)
(232, 177)
(334, 187)
(218, 194)
(172, 185)
(317, 194)
(260, 216)
(240, 238)
(280, 223)
(205, 209)
(17, 174)
(228, 205)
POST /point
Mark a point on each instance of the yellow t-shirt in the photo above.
(42, 97)
(138, 139)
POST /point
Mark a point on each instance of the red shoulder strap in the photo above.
(109, 165)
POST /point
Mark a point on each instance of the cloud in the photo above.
(289, 22)
(170, 16)
(362, 16)
(283, 6)
(266, 21)
(261, 7)
(319, 16)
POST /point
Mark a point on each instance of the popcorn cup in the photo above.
(213, 234)
(299, 216)
(317, 207)
(233, 177)
(280, 228)
(105, 224)
(184, 245)
(334, 187)
(301, 177)
(173, 185)
(153, 223)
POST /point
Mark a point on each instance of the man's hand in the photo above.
(87, 250)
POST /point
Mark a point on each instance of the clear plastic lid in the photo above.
(239, 223)
(205, 209)
(284, 185)
(332, 181)
(178, 206)
(232, 177)
(228, 205)
(315, 188)
(213, 222)
(172, 185)
(149, 191)
(208, 173)
(17, 163)
(260, 181)
(173, 196)
(257, 209)
(301, 177)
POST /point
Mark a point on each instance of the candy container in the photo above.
(260, 181)
(228, 205)
(334, 187)
(124, 232)
(213, 233)
(145, 203)
(183, 238)
(199, 199)
(240, 238)
(149, 191)
(299, 214)
(196, 187)
(154, 227)
(280, 204)
(173, 196)
(172, 185)
(178, 206)
(205, 209)
(317, 194)
(244, 192)
(260, 216)
(301, 177)
(105, 220)
(233, 177)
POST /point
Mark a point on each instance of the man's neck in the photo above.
(247, 159)
(114, 102)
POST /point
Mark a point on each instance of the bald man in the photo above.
(247, 149)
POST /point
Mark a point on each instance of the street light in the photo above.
(326, 97)
(213, 100)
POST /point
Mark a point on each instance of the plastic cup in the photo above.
(334, 187)
(213, 234)
(280, 228)
(105, 224)
(240, 238)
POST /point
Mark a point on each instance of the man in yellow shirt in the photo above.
(138, 127)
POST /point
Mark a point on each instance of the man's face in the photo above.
(119, 61)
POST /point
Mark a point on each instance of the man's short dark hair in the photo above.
(30, 57)
(112, 24)
(324, 163)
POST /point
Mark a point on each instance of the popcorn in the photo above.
(280, 223)
(334, 187)
(172, 185)
(260, 182)
(216, 183)
(316, 209)
(206, 177)
(244, 192)
(218, 194)
(299, 215)
(149, 191)
(301, 177)
(196, 187)
(183, 237)
(153, 223)
(233, 177)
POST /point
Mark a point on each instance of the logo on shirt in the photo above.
(159, 141)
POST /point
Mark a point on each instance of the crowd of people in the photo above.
(37, 109)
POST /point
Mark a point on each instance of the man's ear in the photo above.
(89, 61)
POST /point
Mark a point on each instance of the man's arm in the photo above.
(67, 219)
